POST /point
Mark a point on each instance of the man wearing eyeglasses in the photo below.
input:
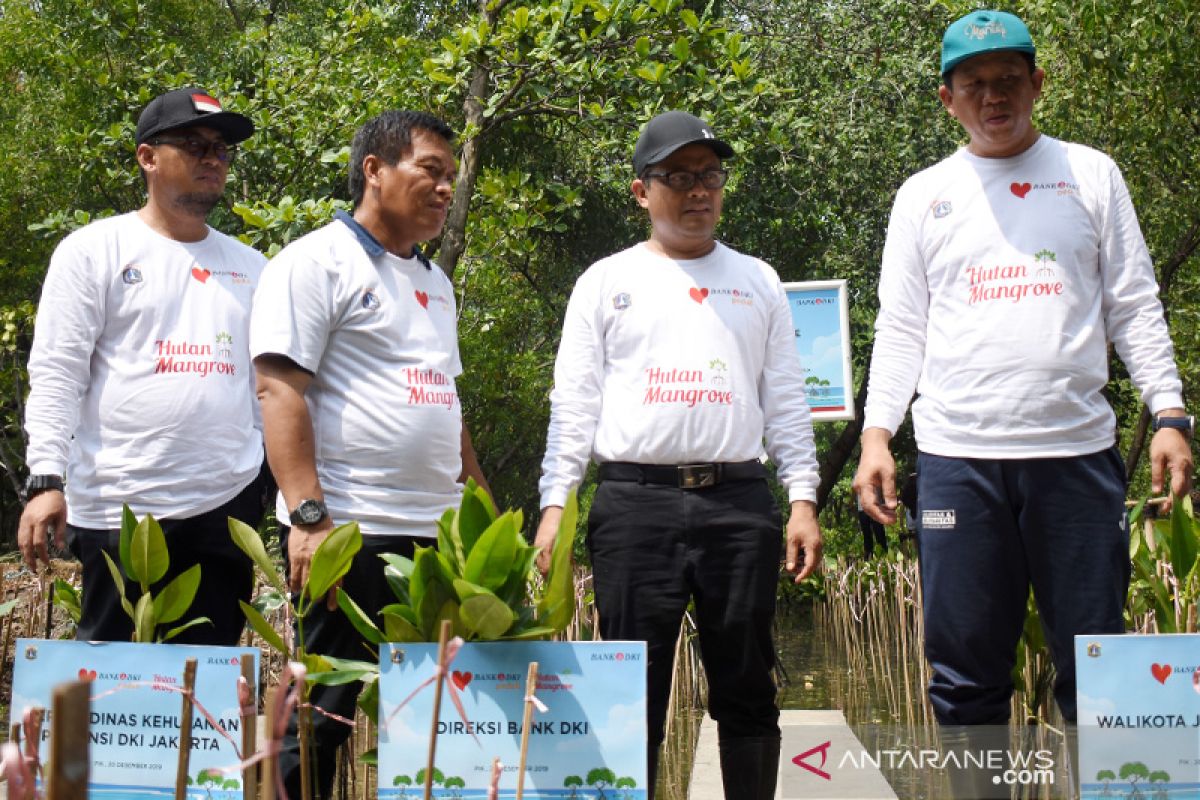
(677, 359)
(141, 387)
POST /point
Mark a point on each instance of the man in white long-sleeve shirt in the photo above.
(1008, 269)
(677, 359)
(141, 388)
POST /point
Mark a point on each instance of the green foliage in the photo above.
(478, 578)
(1166, 575)
(144, 557)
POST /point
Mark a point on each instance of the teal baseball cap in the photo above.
(984, 32)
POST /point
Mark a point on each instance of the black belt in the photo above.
(683, 476)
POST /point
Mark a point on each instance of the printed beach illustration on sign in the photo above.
(589, 743)
(134, 731)
(821, 323)
(1139, 716)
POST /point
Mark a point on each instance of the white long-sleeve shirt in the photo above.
(678, 362)
(1003, 281)
(141, 389)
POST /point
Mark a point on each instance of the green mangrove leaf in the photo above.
(450, 547)
(397, 570)
(259, 625)
(368, 701)
(269, 601)
(119, 582)
(148, 553)
(1183, 542)
(176, 597)
(191, 623)
(143, 619)
(449, 611)
(515, 590)
(359, 618)
(332, 559)
(334, 678)
(558, 602)
(466, 589)
(486, 616)
(473, 518)
(128, 523)
(529, 634)
(490, 559)
(315, 664)
(400, 629)
(66, 597)
(369, 757)
(250, 543)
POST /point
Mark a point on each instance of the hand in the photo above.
(1171, 452)
(876, 476)
(547, 532)
(46, 512)
(303, 541)
(803, 537)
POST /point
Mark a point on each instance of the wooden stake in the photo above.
(250, 728)
(185, 729)
(443, 638)
(270, 764)
(70, 756)
(530, 687)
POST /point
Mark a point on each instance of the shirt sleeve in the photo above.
(575, 401)
(293, 311)
(901, 324)
(70, 320)
(787, 422)
(1133, 314)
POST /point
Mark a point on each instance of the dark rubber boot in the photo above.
(750, 767)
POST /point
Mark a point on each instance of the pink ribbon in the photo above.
(20, 771)
(494, 784)
(442, 670)
(170, 687)
(538, 704)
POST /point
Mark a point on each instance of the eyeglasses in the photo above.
(199, 149)
(683, 180)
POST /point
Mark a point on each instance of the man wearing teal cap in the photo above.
(1008, 269)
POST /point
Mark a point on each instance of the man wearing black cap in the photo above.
(1008, 269)
(141, 387)
(677, 360)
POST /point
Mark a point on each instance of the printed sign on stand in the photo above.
(135, 714)
(821, 322)
(590, 739)
(1139, 715)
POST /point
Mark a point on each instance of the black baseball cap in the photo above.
(670, 131)
(189, 107)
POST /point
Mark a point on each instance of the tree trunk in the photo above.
(835, 460)
(1187, 246)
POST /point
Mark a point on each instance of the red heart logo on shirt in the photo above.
(1160, 672)
(200, 274)
(698, 294)
(1021, 189)
(423, 299)
(461, 679)
(86, 674)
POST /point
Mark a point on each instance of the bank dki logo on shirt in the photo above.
(131, 275)
(621, 301)
(370, 300)
(941, 208)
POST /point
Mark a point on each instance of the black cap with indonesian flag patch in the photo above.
(190, 107)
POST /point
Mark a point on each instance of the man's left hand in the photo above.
(803, 540)
(1170, 451)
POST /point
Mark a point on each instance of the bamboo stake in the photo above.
(250, 728)
(70, 756)
(530, 688)
(185, 729)
(443, 638)
(304, 734)
(270, 765)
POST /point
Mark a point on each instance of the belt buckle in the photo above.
(697, 476)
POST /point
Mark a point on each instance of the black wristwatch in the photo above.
(1185, 425)
(36, 484)
(309, 512)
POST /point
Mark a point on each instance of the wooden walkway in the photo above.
(813, 762)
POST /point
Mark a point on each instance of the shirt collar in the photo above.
(369, 243)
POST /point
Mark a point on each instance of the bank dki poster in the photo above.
(134, 728)
(821, 322)
(1139, 716)
(590, 739)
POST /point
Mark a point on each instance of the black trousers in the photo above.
(226, 574)
(329, 633)
(654, 549)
